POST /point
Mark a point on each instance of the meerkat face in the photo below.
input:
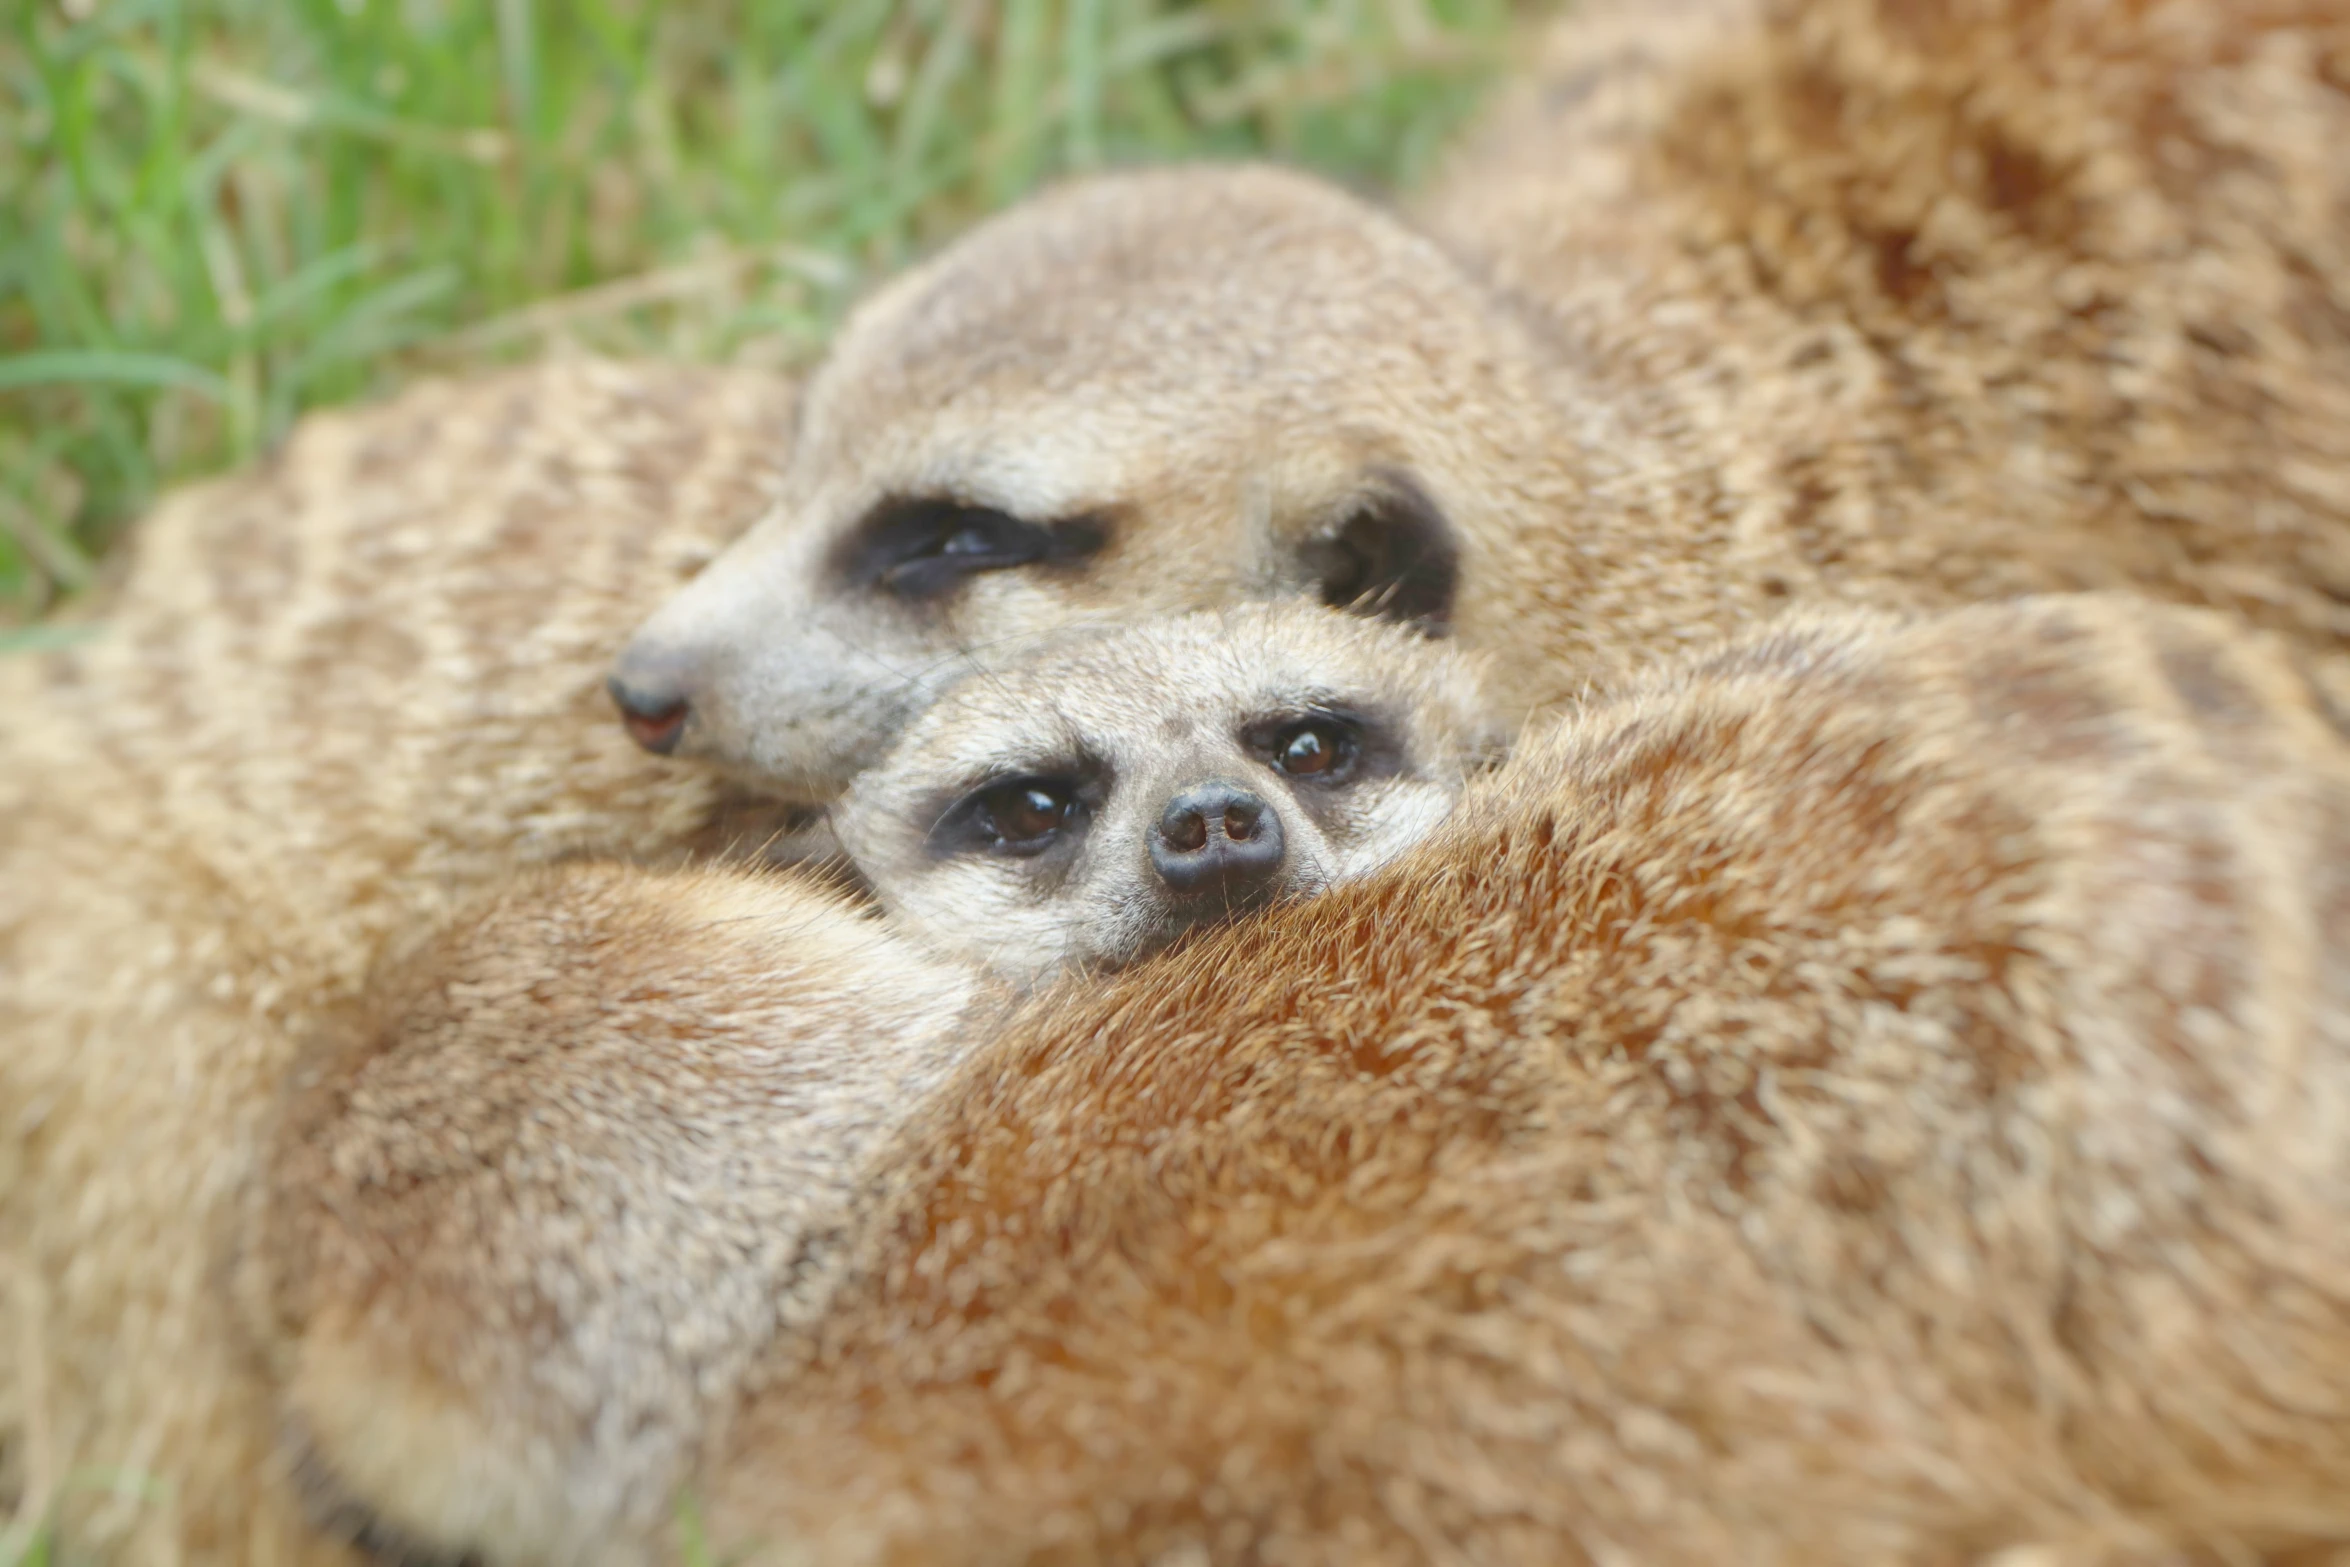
(1089, 806)
(1137, 396)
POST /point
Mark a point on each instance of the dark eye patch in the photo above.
(919, 549)
(1324, 746)
(1391, 557)
(1021, 816)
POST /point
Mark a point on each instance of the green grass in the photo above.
(217, 213)
(31, 1540)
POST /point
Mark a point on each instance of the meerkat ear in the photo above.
(1391, 555)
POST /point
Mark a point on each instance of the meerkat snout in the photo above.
(1217, 839)
(652, 709)
(1126, 786)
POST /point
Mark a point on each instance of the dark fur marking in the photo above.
(919, 548)
(339, 1514)
(1392, 557)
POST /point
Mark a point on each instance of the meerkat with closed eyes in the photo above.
(1125, 786)
(2077, 322)
(1672, 352)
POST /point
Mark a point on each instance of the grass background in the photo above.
(217, 213)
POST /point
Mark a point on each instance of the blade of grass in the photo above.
(55, 555)
(1082, 82)
(382, 321)
(560, 312)
(46, 638)
(327, 111)
(107, 367)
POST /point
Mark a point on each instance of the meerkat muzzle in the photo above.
(1217, 837)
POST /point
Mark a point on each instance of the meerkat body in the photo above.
(1344, 741)
(1876, 1097)
(1735, 307)
(1872, 1094)
(625, 1120)
(339, 693)
(1946, 302)
(329, 699)
(1123, 787)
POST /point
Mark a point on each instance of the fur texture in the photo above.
(1809, 328)
(1879, 1093)
(1879, 1097)
(330, 698)
(1949, 300)
(536, 1131)
(1735, 307)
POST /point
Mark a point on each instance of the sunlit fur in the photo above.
(538, 1037)
(1156, 709)
(1874, 302)
(1879, 1093)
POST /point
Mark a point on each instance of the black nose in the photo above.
(1216, 837)
(652, 711)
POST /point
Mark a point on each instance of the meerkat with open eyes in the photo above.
(1079, 811)
(2075, 319)
(1850, 1046)
(1125, 786)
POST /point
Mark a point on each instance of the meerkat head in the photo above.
(1137, 395)
(1121, 787)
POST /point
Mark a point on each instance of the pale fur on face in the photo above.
(1165, 392)
(1122, 722)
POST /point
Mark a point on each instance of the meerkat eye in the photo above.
(1019, 816)
(1323, 749)
(972, 539)
(922, 549)
(1024, 813)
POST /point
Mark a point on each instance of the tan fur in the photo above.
(1949, 300)
(330, 698)
(534, 1112)
(1880, 1093)
(1125, 723)
(538, 1105)
(1737, 306)
(339, 694)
